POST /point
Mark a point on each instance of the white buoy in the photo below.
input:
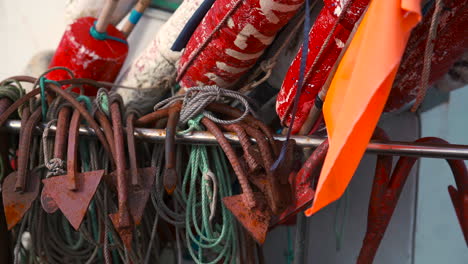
(154, 70)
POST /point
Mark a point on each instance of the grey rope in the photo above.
(55, 166)
(428, 52)
(197, 98)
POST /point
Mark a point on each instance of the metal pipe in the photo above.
(427, 150)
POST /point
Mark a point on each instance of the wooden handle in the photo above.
(105, 16)
(140, 7)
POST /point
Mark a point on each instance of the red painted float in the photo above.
(87, 56)
(451, 43)
(238, 43)
(320, 30)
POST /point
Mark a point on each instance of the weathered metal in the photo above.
(122, 220)
(107, 128)
(278, 195)
(20, 188)
(400, 148)
(73, 192)
(386, 191)
(5, 243)
(141, 179)
(249, 208)
(303, 183)
(48, 203)
(170, 173)
(252, 162)
(65, 95)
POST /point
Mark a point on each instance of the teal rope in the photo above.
(42, 83)
(104, 36)
(193, 124)
(103, 102)
(43, 97)
(201, 234)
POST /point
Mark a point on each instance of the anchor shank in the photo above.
(72, 166)
(122, 189)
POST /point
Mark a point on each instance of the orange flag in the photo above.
(359, 91)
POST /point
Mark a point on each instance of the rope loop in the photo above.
(55, 166)
(197, 98)
(104, 36)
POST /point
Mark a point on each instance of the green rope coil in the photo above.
(206, 235)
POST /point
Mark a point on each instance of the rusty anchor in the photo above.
(122, 220)
(251, 155)
(18, 191)
(249, 208)
(172, 113)
(303, 183)
(48, 203)
(386, 191)
(170, 173)
(73, 192)
(141, 179)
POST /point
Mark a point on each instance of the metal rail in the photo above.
(445, 151)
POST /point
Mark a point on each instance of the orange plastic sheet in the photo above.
(359, 91)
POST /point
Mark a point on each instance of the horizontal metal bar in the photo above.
(445, 151)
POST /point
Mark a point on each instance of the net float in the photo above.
(93, 48)
(230, 39)
(154, 70)
(407, 82)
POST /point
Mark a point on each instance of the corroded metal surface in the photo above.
(255, 220)
(170, 173)
(122, 220)
(21, 188)
(48, 203)
(141, 179)
(303, 183)
(386, 191)
(73, 192)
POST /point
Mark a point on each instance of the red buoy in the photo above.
(244, 30)
(88, 57)
(450, 44)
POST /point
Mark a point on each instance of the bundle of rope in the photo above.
(213, 238)
(204, 227)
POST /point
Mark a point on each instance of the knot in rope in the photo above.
(197, 98)
(56, 167)
(193, 125)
